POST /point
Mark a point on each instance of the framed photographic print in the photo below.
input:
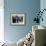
(17, 19)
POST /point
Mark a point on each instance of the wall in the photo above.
(29, 8)
(43, 6)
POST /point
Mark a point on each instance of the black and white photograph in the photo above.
(17, 19)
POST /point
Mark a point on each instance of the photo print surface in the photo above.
(17, 19)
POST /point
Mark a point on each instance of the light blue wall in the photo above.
(29, 8)
(43, 6)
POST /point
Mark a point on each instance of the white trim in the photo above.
(1, 20)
